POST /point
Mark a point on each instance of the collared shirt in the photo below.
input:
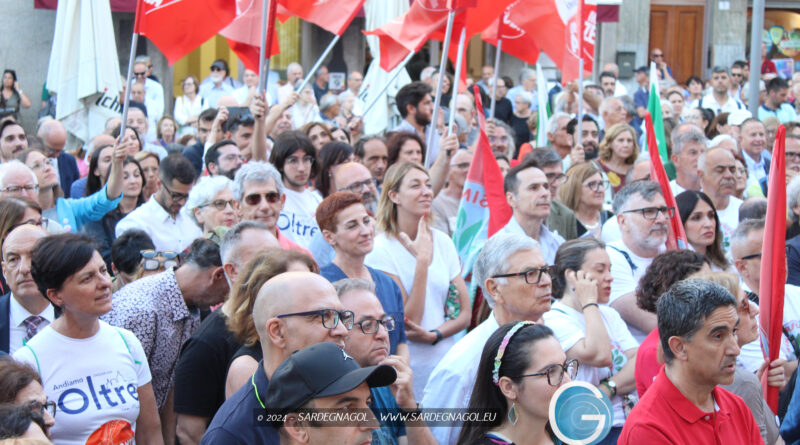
(709, 102)
(451, 382)
(757, 170)
(434, 148)
(286, 244)
(154, 102)
(665, 416)
(167, 233)
(548, 241)
(234, 423)
(154, 310)
(212, 93)
(16, 322)
(784, 113)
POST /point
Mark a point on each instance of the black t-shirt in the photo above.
(522, 133)
(203, 366)
(253, 351)
(194, 153)
(503, 110)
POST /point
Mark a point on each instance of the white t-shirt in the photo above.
(791, 318)
(297, 220)
(390, 256)
(626, 278)
(94, 382)
(729, 221)
(569, 327)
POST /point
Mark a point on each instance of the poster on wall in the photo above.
(785, 67)
(787, 42)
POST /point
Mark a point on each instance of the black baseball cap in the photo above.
(219, 64)
(320, 370)
(641, 69)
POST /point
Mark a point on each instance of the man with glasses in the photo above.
(292, 311)
(737, 79)
(527, 191)
(368, 344)
(643, 218)
(294, 156)
(445, 205)
(752, 140)
(216, 87)
(664, 71)
(161, 216)
(54, 137)
(717, 171)
(697, 324)
(224, 159)
(22, 386)
(515, 280)
(259, 188)
(153, 95)
(560, 140)
(163, 311)
(18, 180)
(23, 310)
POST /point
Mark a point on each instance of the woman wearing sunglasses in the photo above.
(211, 204)
(521, 367)
(589, 330)
(585, 192)
(98, 374)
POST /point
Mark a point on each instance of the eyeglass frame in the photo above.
(597, 185)
(321, 313)
(224, 203)
(266, 197)
(668, 211)
(556, 178)
(26, 187)
(294, 161)
(564, 370)
(382, 322)
(171, 259)
(180, 196)
(549, 270)
(752, 256)
(43, 222)
(49, 406)
(358, 186)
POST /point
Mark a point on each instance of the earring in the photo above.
(512, 414)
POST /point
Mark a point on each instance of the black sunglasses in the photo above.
(254, 199)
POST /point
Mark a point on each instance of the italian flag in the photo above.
(543, 104)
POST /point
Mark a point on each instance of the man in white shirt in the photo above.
(776, 102)
(716, 168)
(153, 96)
(23, 311)
(643, 218)
(753, 142)
(354, 81)
(528, 193)
(688, 141)
(718, 100)
(161, 216)
(294, 75)
(513, 276)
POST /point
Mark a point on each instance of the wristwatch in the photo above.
(438, 336)
(610, 385)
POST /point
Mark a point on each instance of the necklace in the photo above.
(591, 226)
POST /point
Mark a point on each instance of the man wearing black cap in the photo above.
(218, 86)
(324, 377)
(292, 311)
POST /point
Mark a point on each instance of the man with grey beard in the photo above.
(716, 168)
(350, 177)
(643, 218)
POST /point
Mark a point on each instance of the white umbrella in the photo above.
(382, 115)
(84, 70)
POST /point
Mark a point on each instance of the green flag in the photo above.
(543, 105)
(654, 107)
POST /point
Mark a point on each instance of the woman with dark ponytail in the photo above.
(521, 367)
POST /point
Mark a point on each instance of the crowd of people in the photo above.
(256, 251)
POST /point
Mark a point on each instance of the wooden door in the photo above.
(678, 32)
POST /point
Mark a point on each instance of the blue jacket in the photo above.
(77, 212)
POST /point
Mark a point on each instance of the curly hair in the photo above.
(666, 270)
(613, 132)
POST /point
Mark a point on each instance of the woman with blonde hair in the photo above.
(239, 307)
(584, 193)
(424, 263)
(617, 153)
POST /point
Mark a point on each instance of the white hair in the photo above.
(203, 192)
(493, 259)
(13, 165)
(258, 172)
(792, 198)
(552, 123)
(526, 96)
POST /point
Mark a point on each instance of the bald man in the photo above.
(23, 310)
(54, 137)
(292, 311)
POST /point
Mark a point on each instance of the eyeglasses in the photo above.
(737, 74)
(752, 256)
(142, 74)
(370, 325)
(652, 212)
(556, 178)
(294, 161)
(175, 196)
(41, 222)
(532, 275)
(18, 188)
(555, 373)
(47, 161)
(596, 185)
(216, 68)
(221, 204)
(39, 407)
(657, 55)
(330, 317)
(254, 199)
(152, 263)
(358, 186)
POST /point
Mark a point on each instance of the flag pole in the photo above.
(496, 73)
(267, 34)
(134, 42)
(438, 98)
(318, 63)
(385, 87)
(580, 100)
(459, 61)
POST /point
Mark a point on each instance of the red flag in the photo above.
(177, 27)
(492, 176)
(773, 264)
(579, 37)
(517, 41)
(244, 33)
(677, 236)
(332, 15)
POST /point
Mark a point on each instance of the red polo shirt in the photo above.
(647, 365)
(665, 416)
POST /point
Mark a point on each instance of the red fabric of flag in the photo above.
(244, 34)
(579, 41)
(773, 264)
(517, 41)
(332, 15)
(492, 176)
(677, 237)
(177, 27)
